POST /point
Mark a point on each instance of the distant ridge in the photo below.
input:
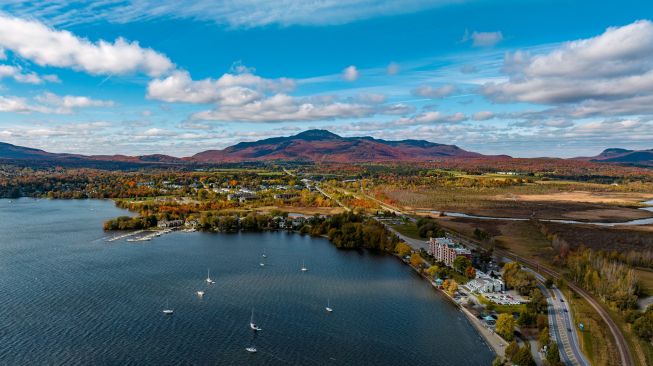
(623, 156)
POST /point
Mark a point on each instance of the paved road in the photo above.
(625, 355)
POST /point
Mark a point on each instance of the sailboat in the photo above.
(208, 277)
(264, 255)
(251, 349)
(252, 324)
(167, 310)
(200, 293)
(328, 307)
(304, 269)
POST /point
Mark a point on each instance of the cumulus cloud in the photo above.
(350, 73)
(67, 103)
(428, 91)
(281, 107)
(229, 89)
(16, 73)
(585, 77)
(49, 103)
(45, 46)
(15, 104)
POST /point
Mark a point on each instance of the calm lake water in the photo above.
(69, 297)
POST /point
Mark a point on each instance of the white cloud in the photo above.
(229, 89)
(45, 46)
(482, 115)
(427, 91)
(50, 103)
(14, 104)
(350, 73)
(612, 69)
(237, 14)
(67, 103)
(282, 108)
(16, 73)
(486, 39)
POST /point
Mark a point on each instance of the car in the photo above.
(561, 300)
(569, 330)
(566, 311)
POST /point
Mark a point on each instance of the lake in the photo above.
(69, 297)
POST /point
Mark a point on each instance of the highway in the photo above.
(625, 355)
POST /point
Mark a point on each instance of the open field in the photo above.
(613, 198)
(540, 199)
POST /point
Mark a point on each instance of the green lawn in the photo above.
(408, 229)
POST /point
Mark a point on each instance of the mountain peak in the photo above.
(316, 134)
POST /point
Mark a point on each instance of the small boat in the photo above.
(200, 293)
(208, 277)
(304, 269)
(328, 307)
(262, 264)
(252, 324)
(264, 255)
(167, 310)
(251, 349)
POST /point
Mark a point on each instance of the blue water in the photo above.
(69, 297)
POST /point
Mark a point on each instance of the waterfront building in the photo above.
(163, 224)
(445, 250)
(483, 283)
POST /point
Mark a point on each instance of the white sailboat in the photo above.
(252, 324)
(264, 255)
(328, 307)
(251, 349)
(208, 277)
(200, 293)
(304, 269)
(167, 310)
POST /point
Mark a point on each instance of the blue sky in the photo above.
(524, 78)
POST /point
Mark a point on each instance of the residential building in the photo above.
(483, 283)
(445, 250)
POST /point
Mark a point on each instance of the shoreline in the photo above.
(490, 338)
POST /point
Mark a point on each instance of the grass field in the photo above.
(409, 229)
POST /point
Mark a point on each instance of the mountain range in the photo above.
(624, 156)
(316, 146)
(307, 146)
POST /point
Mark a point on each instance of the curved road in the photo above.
(625, 355)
